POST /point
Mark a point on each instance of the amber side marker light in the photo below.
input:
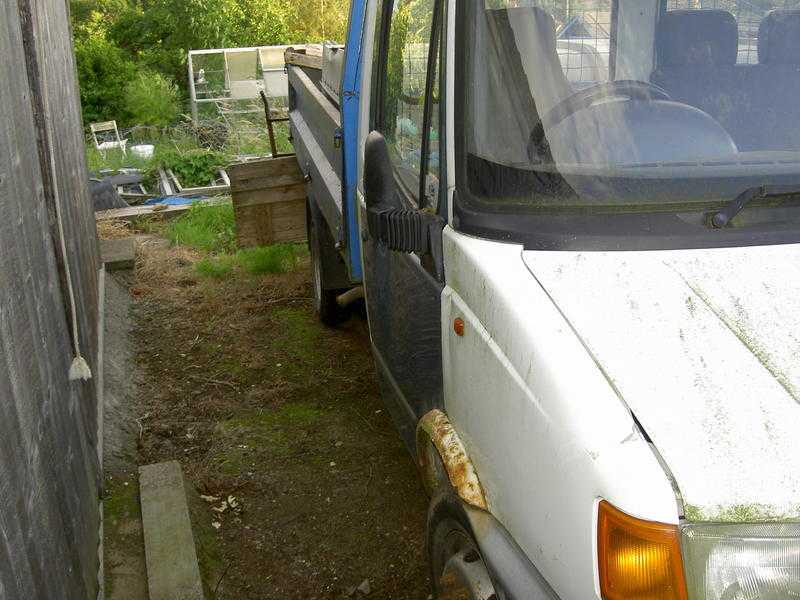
(638, 560)
(458, 326)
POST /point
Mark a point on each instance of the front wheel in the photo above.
(457, 568)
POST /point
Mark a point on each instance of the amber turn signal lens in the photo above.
(638, 560)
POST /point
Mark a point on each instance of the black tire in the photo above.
(325, 306)
(457, 568)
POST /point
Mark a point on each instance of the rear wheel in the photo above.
(457, 568)
(325, 306)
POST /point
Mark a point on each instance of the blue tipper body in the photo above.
(351, 87)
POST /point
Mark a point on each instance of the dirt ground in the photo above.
(303, 487)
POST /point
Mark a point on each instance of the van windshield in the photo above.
(627, 105)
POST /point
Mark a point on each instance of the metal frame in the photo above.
(194, 101)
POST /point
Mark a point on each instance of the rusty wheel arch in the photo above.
(436, 434)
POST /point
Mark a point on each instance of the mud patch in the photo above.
(264, 406)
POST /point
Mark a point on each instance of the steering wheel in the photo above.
(625, 88)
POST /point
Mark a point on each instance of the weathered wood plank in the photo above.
(132, 212)
(269, 167)
(303, 58)
(261, 182)
(269, 196)
(172, 569)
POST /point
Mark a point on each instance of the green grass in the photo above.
(216, 267)
(112, 160)
(280, 258)
(205, 227)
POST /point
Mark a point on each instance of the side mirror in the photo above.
(388, 222)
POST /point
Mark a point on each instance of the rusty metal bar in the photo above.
(270, 129)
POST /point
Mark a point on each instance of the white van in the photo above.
(583, 299)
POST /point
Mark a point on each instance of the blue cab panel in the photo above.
(350, 91)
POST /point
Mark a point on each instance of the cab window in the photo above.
(403, 91)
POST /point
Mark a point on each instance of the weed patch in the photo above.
(203, 227)
(280, 258)
(193, 167)
(215, 266)
(112, 160)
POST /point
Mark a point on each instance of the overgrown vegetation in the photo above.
(215, 266)
(194, 153)
(127, 46)
(113, 160)
(193, 167)
(152, 99)
(209, 228)
(279, 258)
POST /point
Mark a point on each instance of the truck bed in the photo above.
(315, 126)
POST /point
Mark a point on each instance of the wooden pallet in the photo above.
(269, 201)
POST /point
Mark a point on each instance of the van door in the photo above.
(404, 290)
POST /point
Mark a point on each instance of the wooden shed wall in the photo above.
(50, 477)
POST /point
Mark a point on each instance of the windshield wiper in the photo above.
(723, 217)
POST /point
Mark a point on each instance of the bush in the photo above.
(104, 71)
(152, 99)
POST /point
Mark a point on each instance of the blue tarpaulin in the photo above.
(174, 200)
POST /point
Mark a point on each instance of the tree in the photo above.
(160, 33)
(116, 39)
(317, 20)
(263, 23)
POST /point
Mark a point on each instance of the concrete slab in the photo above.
(118, 253)
(172, 569)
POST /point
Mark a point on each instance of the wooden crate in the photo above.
(269, 201)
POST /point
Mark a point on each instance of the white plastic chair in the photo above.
(114, 144)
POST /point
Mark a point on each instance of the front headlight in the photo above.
(742, 561)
